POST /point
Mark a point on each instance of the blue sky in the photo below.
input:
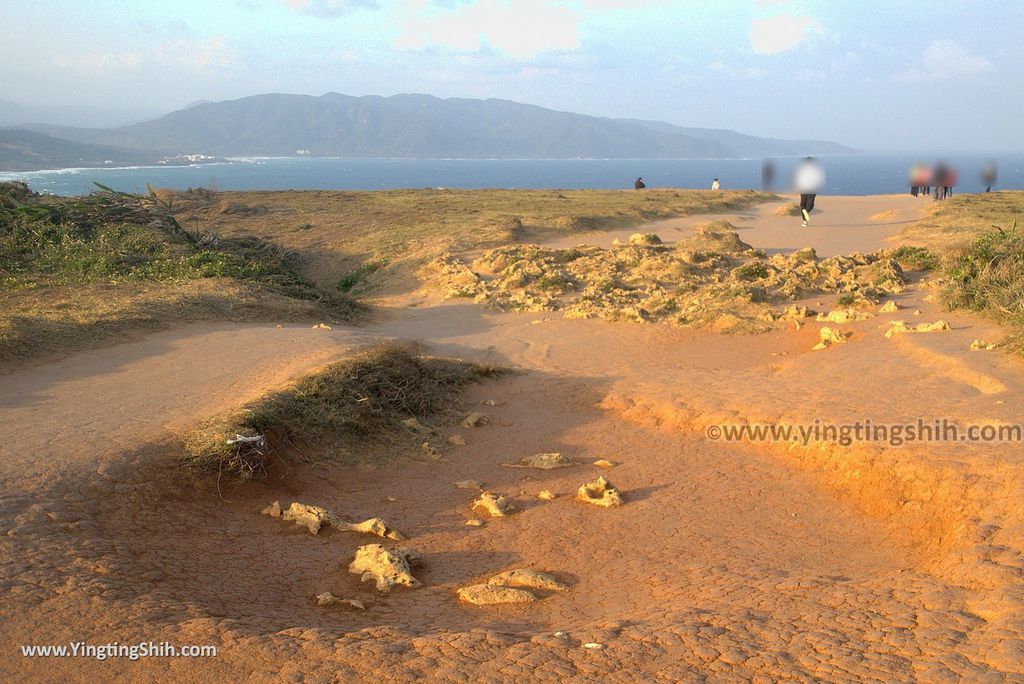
(874, 74)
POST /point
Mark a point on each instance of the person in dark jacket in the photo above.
(639, 185)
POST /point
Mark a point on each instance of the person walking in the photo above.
(715, 185)
(767, 174)
(808, 179)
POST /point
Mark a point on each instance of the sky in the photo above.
(883, 75)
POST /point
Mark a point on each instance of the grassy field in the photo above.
(80, 272)
(951, 222)
(375, 241)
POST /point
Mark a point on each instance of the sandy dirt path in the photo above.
(732, 561)
(840, 225)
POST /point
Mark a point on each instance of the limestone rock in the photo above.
(496, 506)
(604, 463)
(386, 568)
(828, 337)
(475, 522)
(889, 307)
(804, 254)
(526, 577)
(329, 599)
(310, 517)
(273, 510)
(417, 427)
(982, 345)
(546, 495)
(644, 239)
(490, 595)
(900, 327)
(475, 419)
(430, 452)
(544, 461)
(372, 526)
(468, 484)
(600, 493)
(457, 440)
(315, 517)
(846, 315)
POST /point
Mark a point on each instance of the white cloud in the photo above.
(330, 8)
(780, 33)
(98, 61)
(615, 4)
(944, 58)
(208, 53)
(520, 30)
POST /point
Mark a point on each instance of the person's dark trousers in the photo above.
(807, 203)
(913, 190)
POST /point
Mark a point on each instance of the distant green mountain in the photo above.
(22, 150)
(419, 126)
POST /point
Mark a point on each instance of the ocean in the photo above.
(865, 174)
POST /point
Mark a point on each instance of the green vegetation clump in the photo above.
(915, 258)
(353, 278)
(987, 276)
(754, 270)
(332, 412)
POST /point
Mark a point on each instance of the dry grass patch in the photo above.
(334, 412)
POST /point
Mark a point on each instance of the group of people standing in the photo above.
(924, 180)
(940, 180)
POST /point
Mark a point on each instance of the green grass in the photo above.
(915, 258)
(754, 270)
(987, 276)
(330, 414)
(353, 278)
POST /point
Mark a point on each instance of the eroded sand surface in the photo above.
(727, 561)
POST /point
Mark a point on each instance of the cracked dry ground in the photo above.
(727, 562)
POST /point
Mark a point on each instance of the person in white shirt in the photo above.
(809, 179)
(715, 185)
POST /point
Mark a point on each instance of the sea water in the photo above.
(863, 174)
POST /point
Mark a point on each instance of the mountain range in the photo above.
(409, 126)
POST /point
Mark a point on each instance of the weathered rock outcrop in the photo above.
(601, 492)
(385, 568)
